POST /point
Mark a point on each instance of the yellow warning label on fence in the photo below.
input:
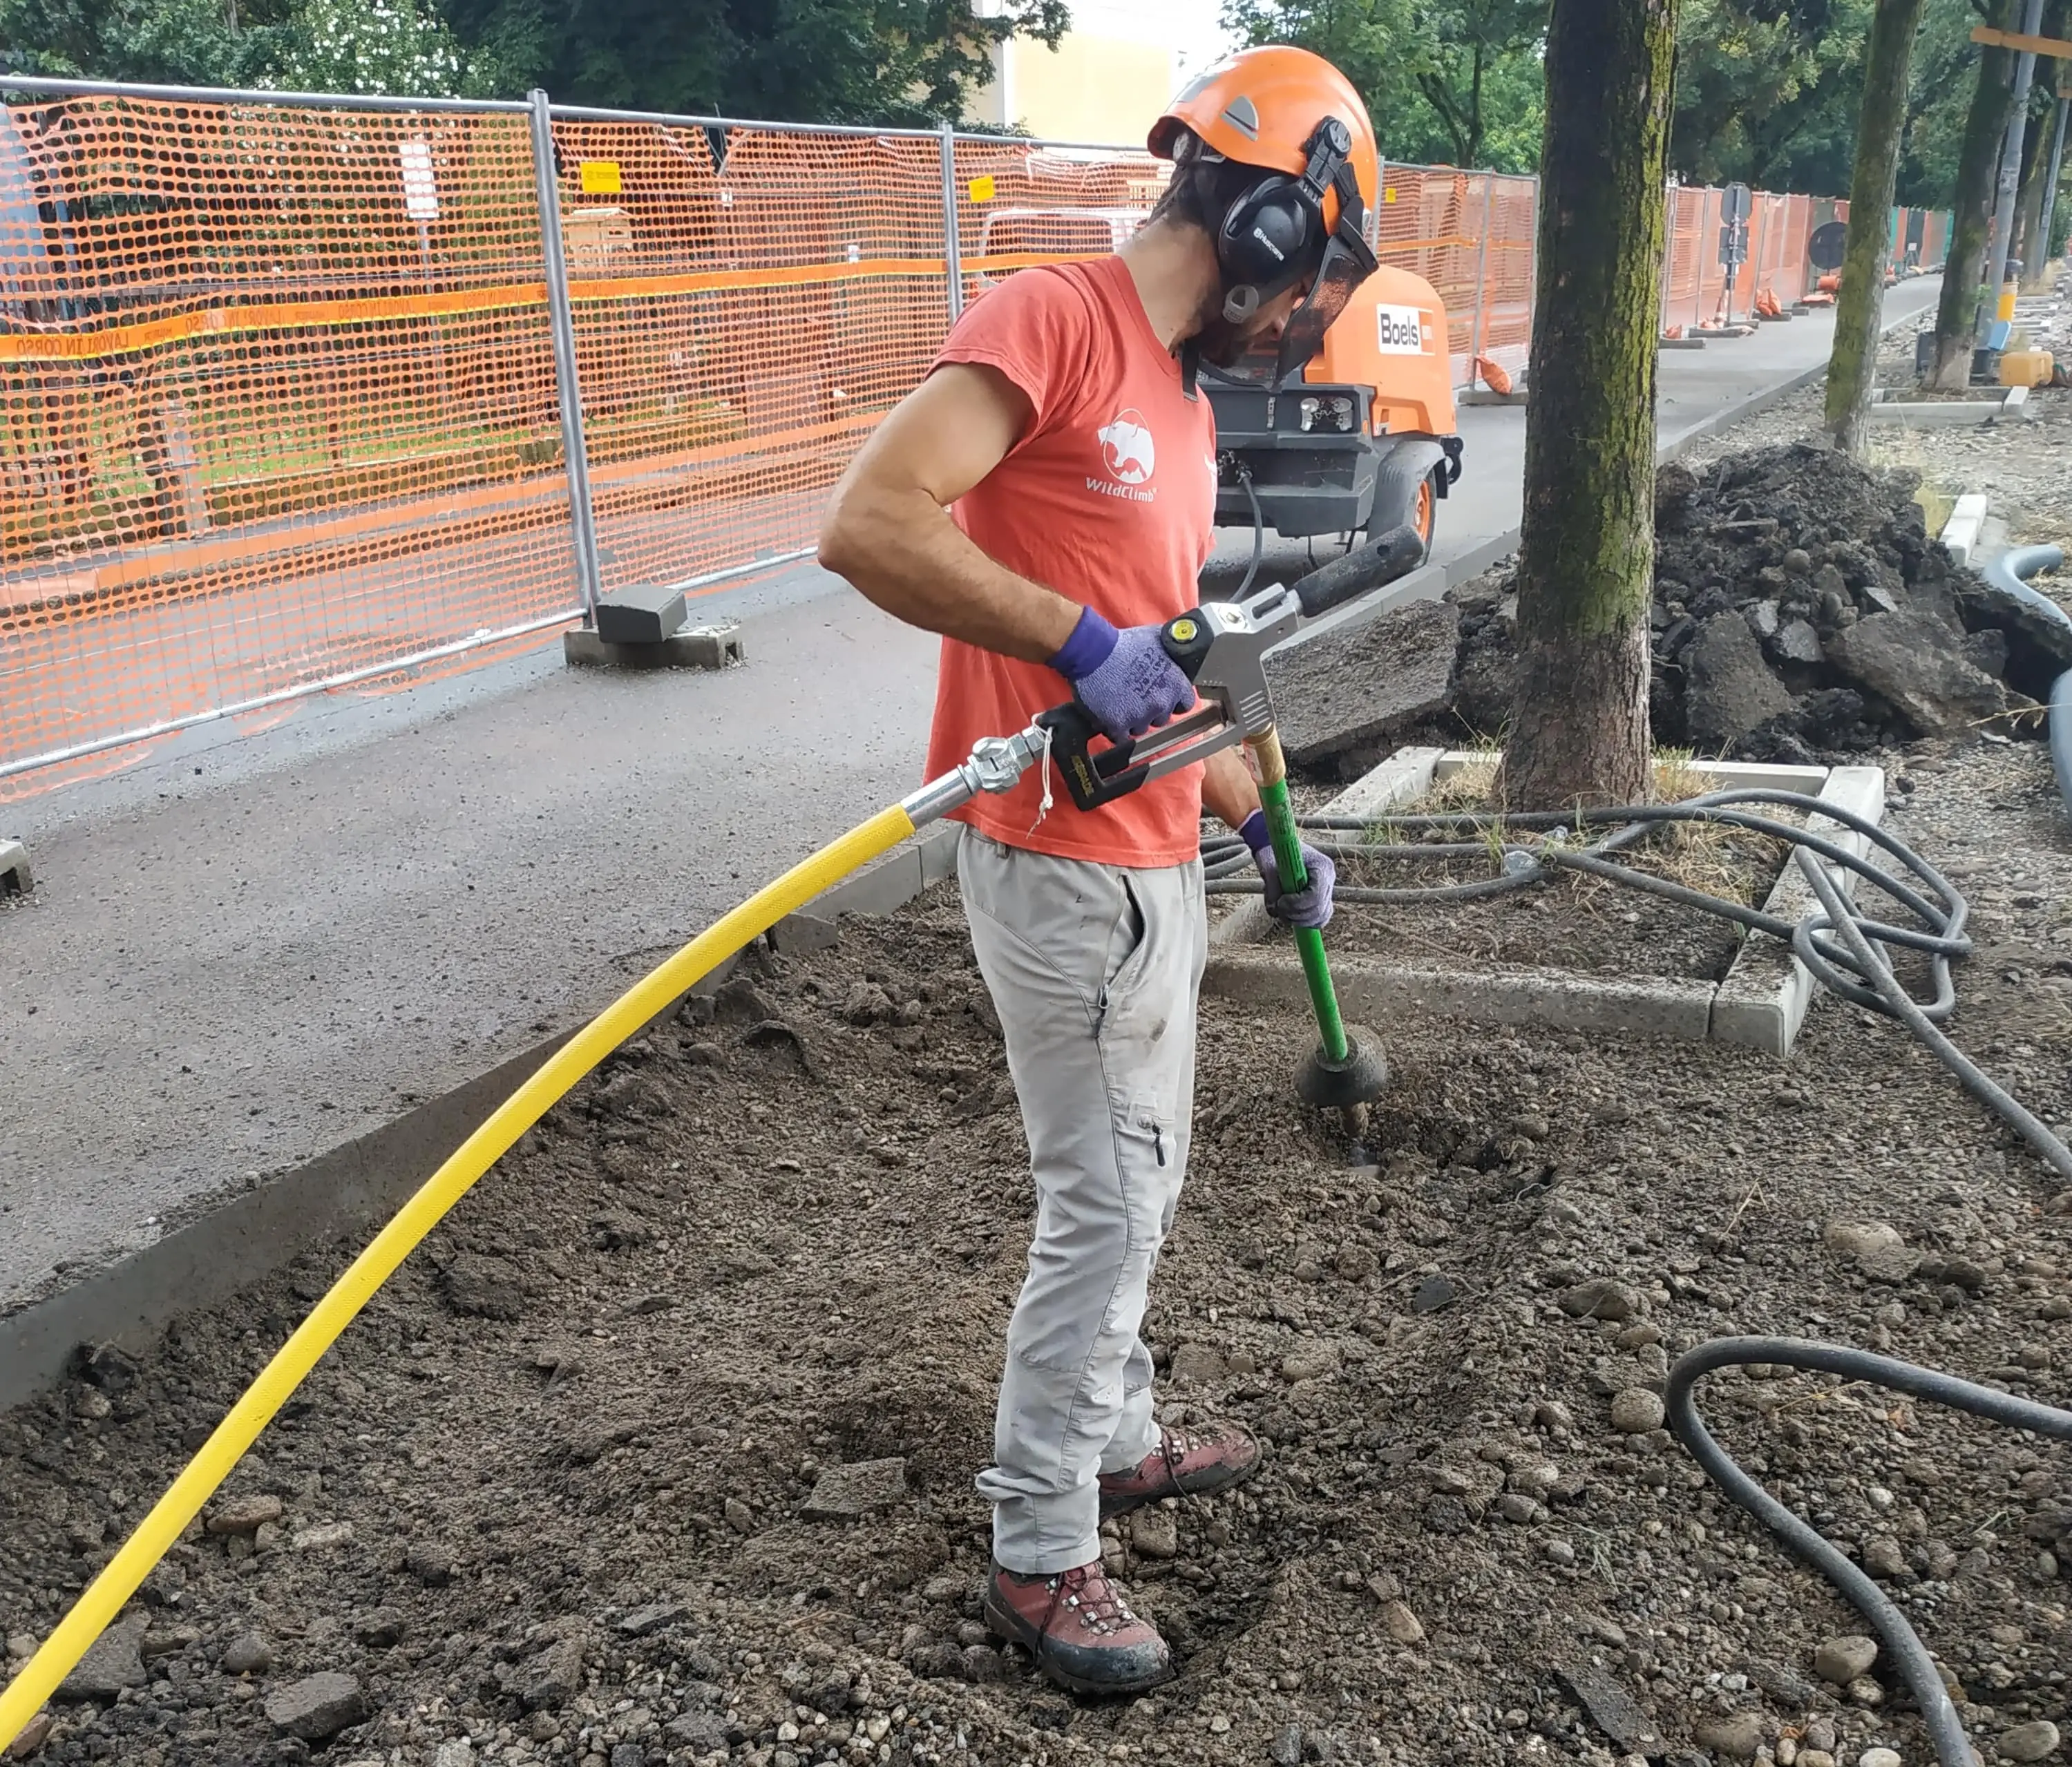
(981, 188)
(1389, 193)
(600, 178)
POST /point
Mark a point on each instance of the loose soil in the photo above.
(548, 1501)
(2024, 467)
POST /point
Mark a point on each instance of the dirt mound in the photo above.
(1801, 613)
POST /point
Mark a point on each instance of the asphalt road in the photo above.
(247, 948)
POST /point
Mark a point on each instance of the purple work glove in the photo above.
(1308, 906)
(1125, 679)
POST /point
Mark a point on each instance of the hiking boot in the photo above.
(1187, 1463)
(1077, 1625)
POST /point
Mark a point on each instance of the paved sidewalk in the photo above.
(244, 951)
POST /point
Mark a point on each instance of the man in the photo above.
(1045, 499)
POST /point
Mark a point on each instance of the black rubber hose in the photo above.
(1840, 946)
(2011, 571)
(1869, 961)
(1940, 935)
(1904, 1645)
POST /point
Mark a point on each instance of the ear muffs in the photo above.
(1271, 237)
(1273, 234)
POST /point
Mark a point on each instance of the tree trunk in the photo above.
(2029, 202)
(1977, 171)
(1879, 126)
(1586, 558)
(2033, 251)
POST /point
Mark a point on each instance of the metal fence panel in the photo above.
(279, 408)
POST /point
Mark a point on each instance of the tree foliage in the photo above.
(372, 46)
(1455, 82)
(196, 43)
(1767, 91)
(890, 61)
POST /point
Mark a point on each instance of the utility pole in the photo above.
(2057, 162)
(2010, 184)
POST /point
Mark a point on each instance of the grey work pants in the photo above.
(1094, 970)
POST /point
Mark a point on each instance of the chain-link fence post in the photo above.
(952, 252)
(574, 452)
(1482, 275)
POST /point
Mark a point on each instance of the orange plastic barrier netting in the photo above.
(747, 303)
(1697, 294)
(278, 409)
(279, 405)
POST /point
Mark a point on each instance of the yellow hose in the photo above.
(24, 1696)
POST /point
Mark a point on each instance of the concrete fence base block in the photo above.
(1680, 343)
(695, 647)
(15, 877)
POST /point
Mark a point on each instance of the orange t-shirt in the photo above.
(1109, 499)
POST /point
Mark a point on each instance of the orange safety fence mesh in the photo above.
(747, 302)
(279, 408)
(1697, 294)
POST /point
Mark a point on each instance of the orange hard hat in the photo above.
(1261, 107)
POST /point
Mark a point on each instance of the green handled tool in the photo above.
(1222, 647)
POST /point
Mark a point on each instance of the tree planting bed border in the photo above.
(1761, 1002)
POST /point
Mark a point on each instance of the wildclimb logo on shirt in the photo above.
(1129, 454)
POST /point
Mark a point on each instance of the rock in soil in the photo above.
(1733, 1736)
(1914, 664)
(318, 1707)
(843, 1493)
(1841, 1660)
(1728, 688)
(1636, 1410)
(112, 1662)
(2032, 1741)
(244, 1514)
(247, 1654)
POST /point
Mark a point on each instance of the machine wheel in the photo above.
(1406, 492)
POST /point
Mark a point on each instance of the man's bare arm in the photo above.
(1228, 789)
(889, 531)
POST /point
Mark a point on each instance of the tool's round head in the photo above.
(1359, 1078)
